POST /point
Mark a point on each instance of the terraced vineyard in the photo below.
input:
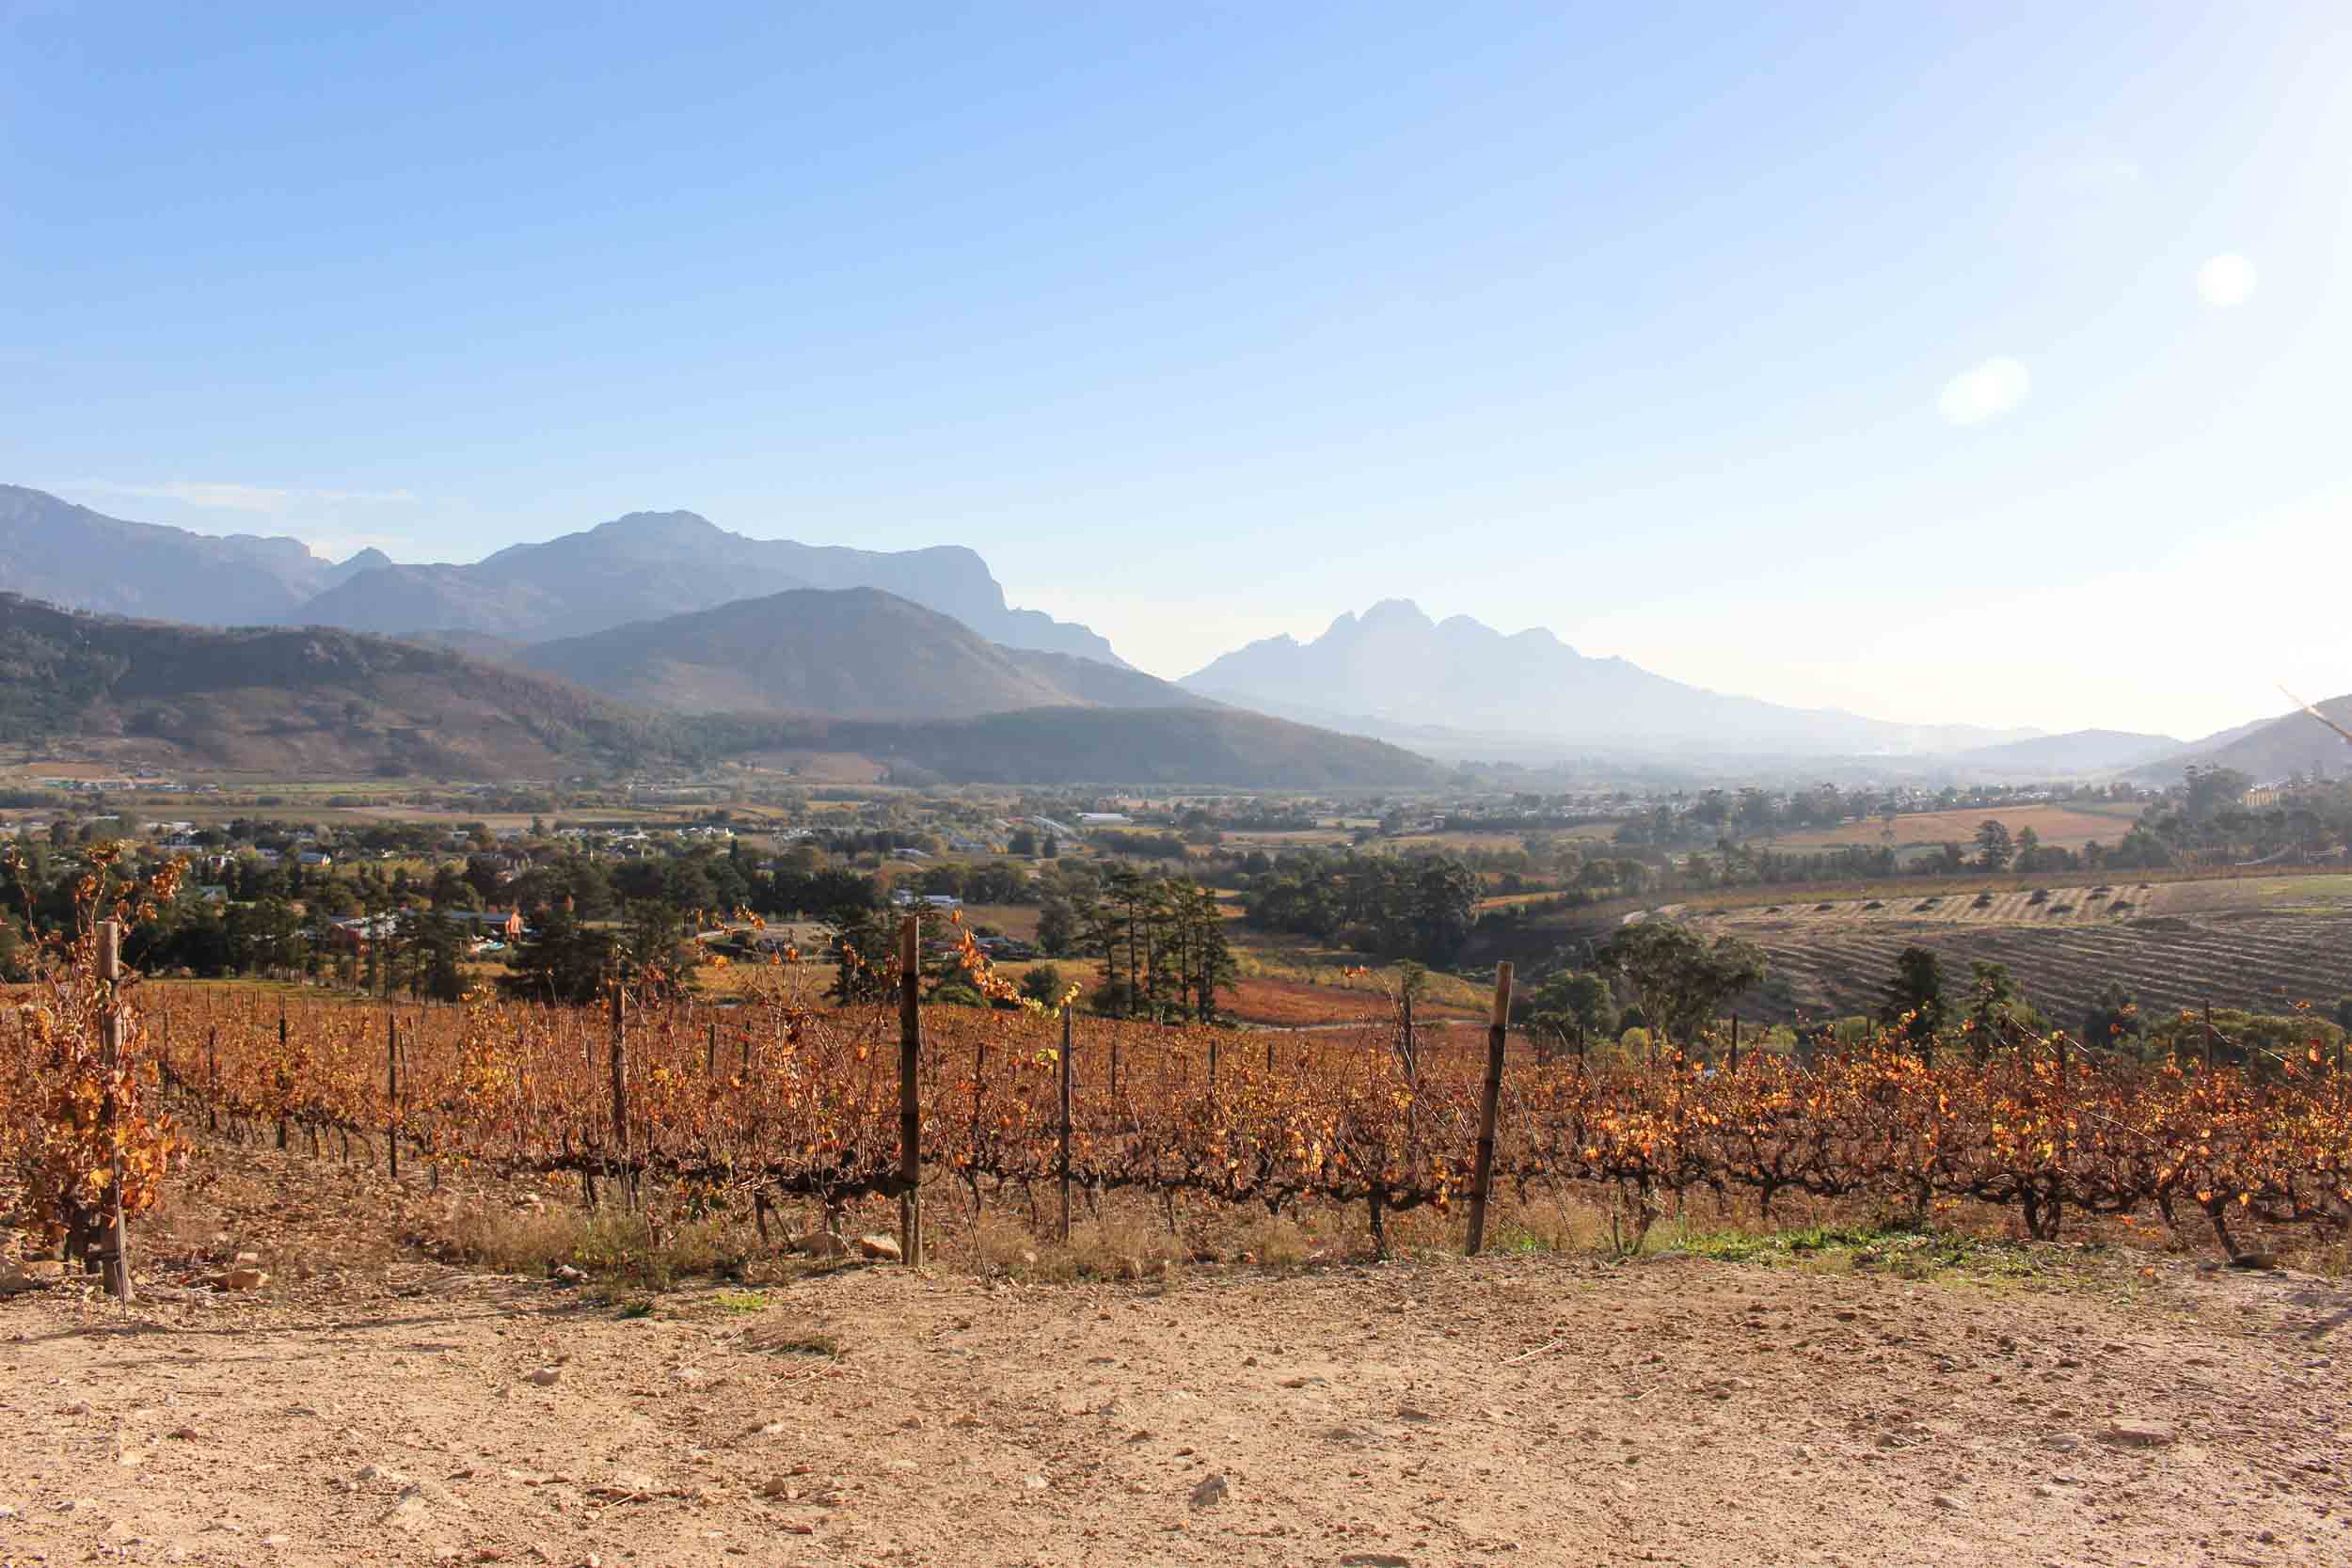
(2101, 904)
(2263, 962)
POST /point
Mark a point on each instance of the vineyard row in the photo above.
(773, 1101)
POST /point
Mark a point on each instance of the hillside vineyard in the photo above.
(686, 1107)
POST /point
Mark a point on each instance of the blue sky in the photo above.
(1868, 355)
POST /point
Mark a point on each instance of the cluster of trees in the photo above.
(1718, 815)
(1160, 947)
(1418, 906)
(1158, 944)
(1677, 983)
(1917, 1003)
(562, 958)
(1139, 844)
(2208, 820)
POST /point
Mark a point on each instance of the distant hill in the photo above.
(54, 550)
(652, 564)
(2076, 752)
(307, 703)
(475, 644)
(2219, 739)
(1395, 664)
(2267, 750)
(1215, 747)
(323, 703)
(849, 652)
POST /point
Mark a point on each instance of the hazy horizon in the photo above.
(1976, 368)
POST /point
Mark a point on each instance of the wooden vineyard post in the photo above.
(1734, 1045)
(2057, 1183)
(979, 1079)
(2208, 1037)
(116, 1256)
(910, 1101)
(1489, 1101)
(1412, 1045)
(391, 1092)
(212, 1076)
(282, 1069)
(710, 1050)
(1064, 1160)
(617, 1062)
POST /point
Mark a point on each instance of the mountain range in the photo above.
(53, 551)
(642, 567)
(667, 611)
(322, 702)
(1394, 666)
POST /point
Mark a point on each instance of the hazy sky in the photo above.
(1986, 364)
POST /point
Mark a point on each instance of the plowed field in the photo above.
(2264, 963)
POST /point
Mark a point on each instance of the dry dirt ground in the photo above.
(1532, 1410)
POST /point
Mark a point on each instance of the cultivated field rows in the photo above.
(2261, 962)
(2057, 906)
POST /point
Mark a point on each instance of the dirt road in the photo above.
(1508, 1412)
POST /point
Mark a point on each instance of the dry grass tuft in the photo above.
(609, 1246)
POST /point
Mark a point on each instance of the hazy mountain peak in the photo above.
(657, 527)
(1396, 613)
(1531, 684)
(361, 560)
(54, 550)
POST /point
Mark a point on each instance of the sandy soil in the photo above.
(1518, 1411)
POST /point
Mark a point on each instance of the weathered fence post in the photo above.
(1412, 1045)
(114, 1038)
(391, 1092)
(1734, 1045)
(910, 1101)
(282, 1079)
(1489, 1101)
(617, 1066)
(1065, 1124)
(2208, 1037)
(710, 1050)
(2058, 1185)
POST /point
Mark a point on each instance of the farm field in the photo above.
(1018, 920)
(1296, 1003)
(2261, 962)
(2084, 898)
(1458, 842)
(1242, 840)
(2069, 826)
(2259, 943)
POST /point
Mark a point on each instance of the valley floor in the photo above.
(1532, 1410)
